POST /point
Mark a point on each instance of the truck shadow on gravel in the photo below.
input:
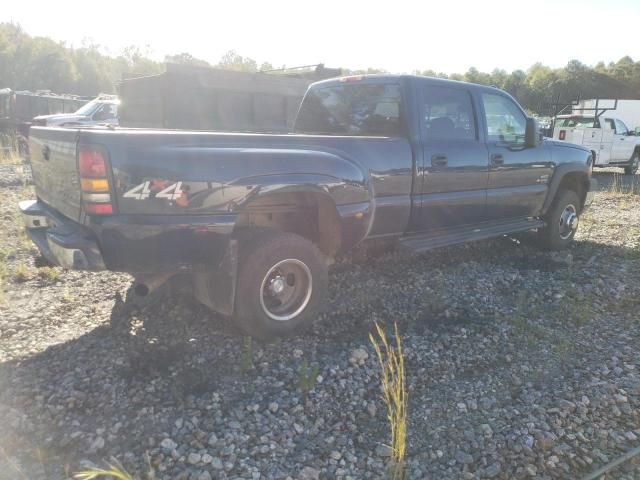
(460, 310)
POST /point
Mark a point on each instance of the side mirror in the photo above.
(531, 133)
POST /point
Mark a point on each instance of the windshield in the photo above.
(361, 110)
(577, 122)
(88, 108)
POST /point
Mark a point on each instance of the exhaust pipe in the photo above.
(145, 285)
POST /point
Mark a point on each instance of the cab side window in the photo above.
(447, 114)
(505, 121)
(107, 111)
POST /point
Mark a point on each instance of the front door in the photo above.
(623, 145)
(454, 167)
(518, 175)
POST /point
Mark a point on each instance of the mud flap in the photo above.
(217, 288)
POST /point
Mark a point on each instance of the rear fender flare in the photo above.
(351, 203)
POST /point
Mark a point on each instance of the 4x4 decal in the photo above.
(143, 192)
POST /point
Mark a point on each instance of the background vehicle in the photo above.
(17, 110)
(204, 98)
(627, 111)
(100, 111)
(613, 143)
(253, 220)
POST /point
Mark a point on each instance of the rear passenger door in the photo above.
(518, 175)
(454, 167)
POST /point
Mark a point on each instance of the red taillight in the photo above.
(91, 163)
(92, 167)
(562, 135)
(98, 208)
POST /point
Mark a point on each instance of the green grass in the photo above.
(628, 303)
(114, 471)
(9, 149)
(307, 378)
(246, 362)
(394, 395)
(10, 157)
(570, 313)
(49, 273)
(620, 187)
(21, 273)
(521, 319)
(66, 295)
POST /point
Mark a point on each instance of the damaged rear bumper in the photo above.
(60, 240)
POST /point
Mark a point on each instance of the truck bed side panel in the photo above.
(178, 173)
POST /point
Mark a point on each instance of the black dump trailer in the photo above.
(202, 98)
(17, 109)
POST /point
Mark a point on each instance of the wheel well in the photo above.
(310, 215)
(576, 181)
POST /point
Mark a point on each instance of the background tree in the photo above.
(38, 63)
(186, 59)
(233, 61)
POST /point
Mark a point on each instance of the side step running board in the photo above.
(422, 243)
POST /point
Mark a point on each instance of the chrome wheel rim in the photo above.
(568, 221)
(286, 290)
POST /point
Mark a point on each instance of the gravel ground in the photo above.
(520, 364)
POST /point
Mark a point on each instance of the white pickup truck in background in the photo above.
(626, 110)
(613, 143)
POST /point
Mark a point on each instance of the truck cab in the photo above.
(100, 111)
(608, 137)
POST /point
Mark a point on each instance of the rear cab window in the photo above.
(357, 109)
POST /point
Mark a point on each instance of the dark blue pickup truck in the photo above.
(254, 220)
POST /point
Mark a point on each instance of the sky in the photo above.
(399, 36)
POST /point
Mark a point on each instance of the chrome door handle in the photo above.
(439, 160)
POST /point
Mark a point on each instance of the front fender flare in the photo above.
(559, 174)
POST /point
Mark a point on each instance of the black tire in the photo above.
(634, 165)
(272, 261)
(560, 229)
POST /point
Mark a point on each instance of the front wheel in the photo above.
(562, 221)
(634, 165)
(281, 285)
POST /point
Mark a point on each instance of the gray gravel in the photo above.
(520, 364)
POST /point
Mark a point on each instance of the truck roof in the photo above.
(574, 115)
(385, 77)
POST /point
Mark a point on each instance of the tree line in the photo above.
(39, 63)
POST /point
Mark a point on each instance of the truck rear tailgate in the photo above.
(53, 163)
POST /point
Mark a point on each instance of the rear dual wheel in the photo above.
(281, 285)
